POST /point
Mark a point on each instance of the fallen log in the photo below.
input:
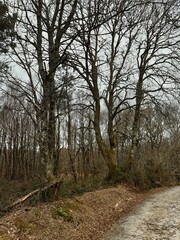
(43, 194)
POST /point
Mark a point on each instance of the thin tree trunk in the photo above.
(136, 122)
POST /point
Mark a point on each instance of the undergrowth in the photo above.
(146, 177)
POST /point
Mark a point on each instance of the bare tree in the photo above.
(43, 38)
(157, 60)
(102, 62)
(18, 152)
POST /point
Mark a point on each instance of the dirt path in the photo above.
(158, 218)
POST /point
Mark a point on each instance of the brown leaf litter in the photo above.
(83, 217)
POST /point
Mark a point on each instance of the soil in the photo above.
(86, 217)
(155, 219)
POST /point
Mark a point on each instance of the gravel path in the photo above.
(158, 218)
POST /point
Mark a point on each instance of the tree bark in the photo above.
(108, 152)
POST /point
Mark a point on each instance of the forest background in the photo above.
(90, 91)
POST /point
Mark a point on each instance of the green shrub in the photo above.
(62, 212)
(146, 176)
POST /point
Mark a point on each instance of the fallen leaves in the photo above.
(93, 214)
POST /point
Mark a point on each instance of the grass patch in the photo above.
(4, 238)
(73, 206)
(23, 225)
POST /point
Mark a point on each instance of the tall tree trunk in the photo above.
(136, 121)
(53, 164)
(108, 152)
(71, 151)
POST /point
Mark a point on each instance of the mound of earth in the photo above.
(85, 217)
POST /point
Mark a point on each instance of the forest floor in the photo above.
(84, 217)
